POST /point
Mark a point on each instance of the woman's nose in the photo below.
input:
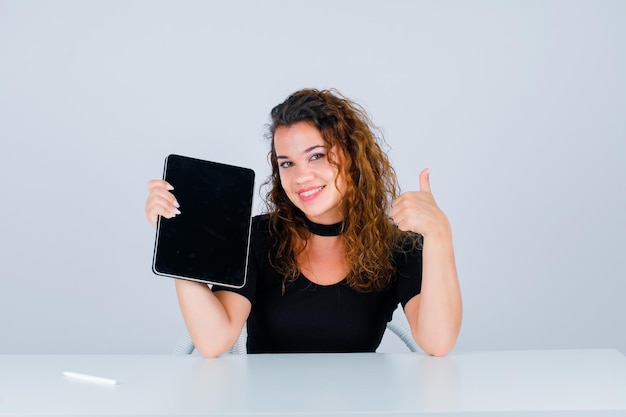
(303, 174)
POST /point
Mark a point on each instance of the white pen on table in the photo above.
(90, 378)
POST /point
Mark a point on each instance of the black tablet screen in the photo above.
(209, 240)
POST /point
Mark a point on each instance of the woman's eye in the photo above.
(316, 156)
(285, 164)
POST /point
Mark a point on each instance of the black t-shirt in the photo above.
(315, 318)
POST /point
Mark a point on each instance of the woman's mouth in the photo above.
(309, 193)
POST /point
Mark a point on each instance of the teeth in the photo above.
(311, 192)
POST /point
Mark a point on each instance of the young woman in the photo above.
(337, 250)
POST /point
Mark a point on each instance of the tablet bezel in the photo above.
(167, 267)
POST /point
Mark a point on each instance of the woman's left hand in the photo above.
(417, 211)
(435, 313)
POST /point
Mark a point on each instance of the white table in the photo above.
(505, 383)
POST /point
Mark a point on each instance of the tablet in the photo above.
(209, 241)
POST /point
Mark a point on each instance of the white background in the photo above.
(518, 108)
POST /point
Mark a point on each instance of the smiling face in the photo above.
(306, 175)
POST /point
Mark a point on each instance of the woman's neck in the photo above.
(325, 229)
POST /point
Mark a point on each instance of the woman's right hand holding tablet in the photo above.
(214, 321)
(161, 201)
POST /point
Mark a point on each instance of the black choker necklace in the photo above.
(324, 229)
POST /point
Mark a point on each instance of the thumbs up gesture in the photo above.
(417, 211)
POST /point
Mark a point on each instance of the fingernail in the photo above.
(176, 204)
(169, 187)
(176, 212)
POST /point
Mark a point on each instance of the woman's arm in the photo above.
(214, 320)
(435, 314)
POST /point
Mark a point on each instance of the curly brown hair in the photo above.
(369, 236)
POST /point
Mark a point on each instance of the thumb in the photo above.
(425, 180)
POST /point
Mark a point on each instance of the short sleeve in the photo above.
(249, 287)
(409, 271)
(259, 241)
